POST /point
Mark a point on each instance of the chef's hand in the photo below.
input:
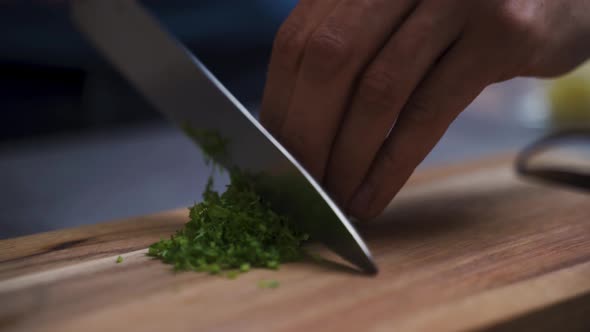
(343, 72)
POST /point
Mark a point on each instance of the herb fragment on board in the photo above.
(119, 260)
(268, 284)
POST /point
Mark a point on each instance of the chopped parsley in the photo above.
(234, 231)
(119, 260)
(211, 142)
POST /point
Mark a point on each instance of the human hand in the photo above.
(360, 91)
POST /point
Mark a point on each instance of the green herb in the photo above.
(119, 260)
(316, 257)
(268, 284)
(245, 267)
(272, 265)
(235, 230)
(211, 142)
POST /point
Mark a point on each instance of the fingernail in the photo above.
(361, 201)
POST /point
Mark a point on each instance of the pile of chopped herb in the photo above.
(230, 232)
(233, 231)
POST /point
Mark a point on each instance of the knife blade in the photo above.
(171, 78)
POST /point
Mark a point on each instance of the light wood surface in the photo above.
(462, 248)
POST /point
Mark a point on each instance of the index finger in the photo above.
(286, 57)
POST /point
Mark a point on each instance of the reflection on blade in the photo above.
(179, 86)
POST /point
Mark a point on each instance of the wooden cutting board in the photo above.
(462, 248)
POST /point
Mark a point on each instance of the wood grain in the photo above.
(462, 248)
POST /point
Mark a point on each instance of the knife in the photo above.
(172, 79)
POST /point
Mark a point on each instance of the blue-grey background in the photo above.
(79, 146)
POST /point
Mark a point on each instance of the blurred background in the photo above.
(78, 145)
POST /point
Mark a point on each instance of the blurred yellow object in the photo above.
(569, 98)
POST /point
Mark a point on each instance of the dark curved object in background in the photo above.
(553, 174)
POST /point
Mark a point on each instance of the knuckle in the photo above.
(520, 18)
(520, 32)
(289, 43)
(376, 90)
(327, 49)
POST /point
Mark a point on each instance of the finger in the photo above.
(459, 77)
(383, 90)
(334, 56)
(286, 57)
